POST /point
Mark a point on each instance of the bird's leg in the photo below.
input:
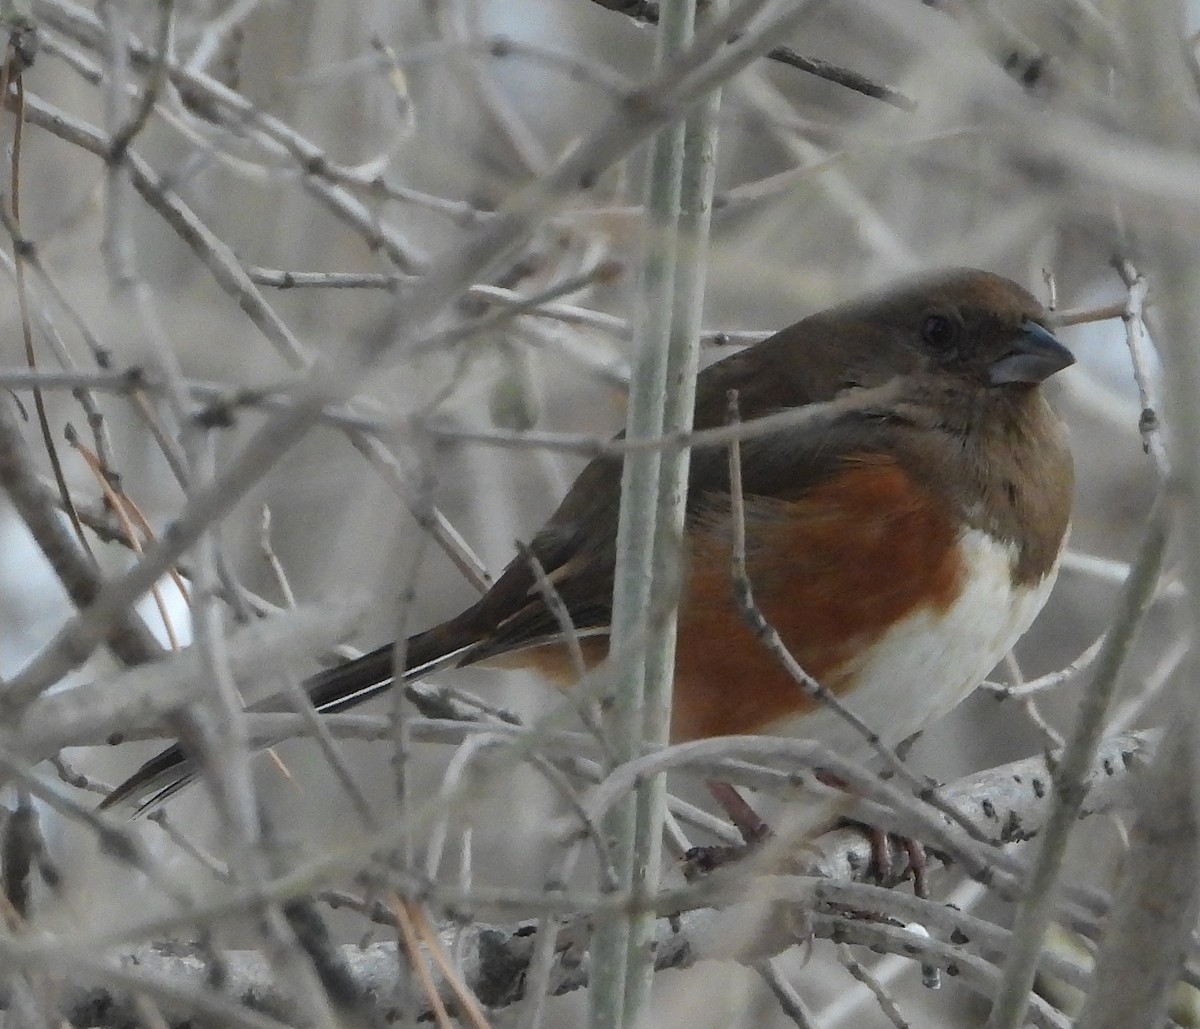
(882, 864)
(919, 863)
(701, 860)
(754, 831)
(738, 810)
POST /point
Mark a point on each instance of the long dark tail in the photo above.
(332, 690)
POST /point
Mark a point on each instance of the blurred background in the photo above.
(369, 139)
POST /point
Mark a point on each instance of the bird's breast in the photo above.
(876, 591)
(929, 661)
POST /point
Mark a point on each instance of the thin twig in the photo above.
(122, 506)
(416, 960)
(1141, 354)
(647, 11)
(128, 636)
(1051, 680)
(886, 1002)
(790, 1002)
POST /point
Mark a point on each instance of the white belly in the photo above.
(921, 669)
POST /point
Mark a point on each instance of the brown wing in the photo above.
(811, 361)
(577, 545)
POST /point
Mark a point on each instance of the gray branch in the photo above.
(736, 917)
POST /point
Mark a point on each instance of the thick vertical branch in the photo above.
(638, 599)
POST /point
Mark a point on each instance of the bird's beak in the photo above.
(1035, 356)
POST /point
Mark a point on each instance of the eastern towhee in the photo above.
(899, 550)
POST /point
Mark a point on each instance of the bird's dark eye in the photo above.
(939, 331)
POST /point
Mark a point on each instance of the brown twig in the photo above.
(416, 960)
(121, 505)
(129, 638)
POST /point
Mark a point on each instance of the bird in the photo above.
(899, 548)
